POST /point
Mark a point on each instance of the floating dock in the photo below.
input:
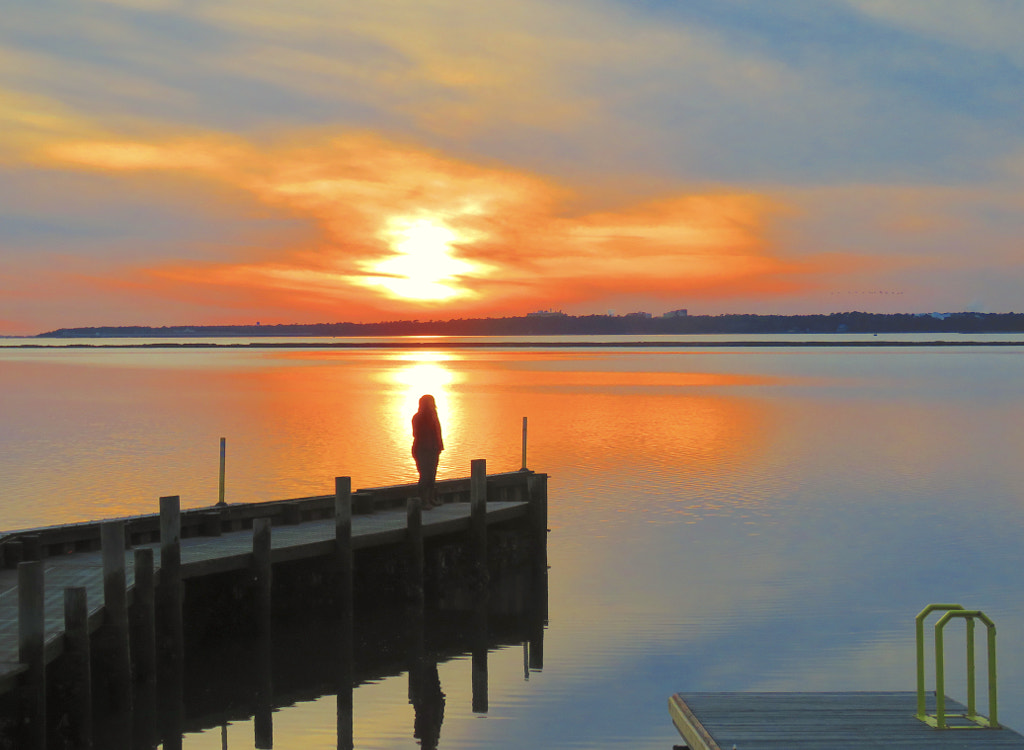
(822, 721)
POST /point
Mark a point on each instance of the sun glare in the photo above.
(423, 266)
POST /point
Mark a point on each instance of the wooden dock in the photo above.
(124, 578)
(822, 721)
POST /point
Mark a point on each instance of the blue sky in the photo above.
(169, 162)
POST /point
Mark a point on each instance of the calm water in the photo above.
(722, 519)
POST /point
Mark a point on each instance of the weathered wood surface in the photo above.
(822, 721)
(206, 555)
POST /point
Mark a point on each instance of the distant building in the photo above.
(547, 314)
(675, 314)
(638, 315)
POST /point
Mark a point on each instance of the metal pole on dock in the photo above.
(31, 642)
(115, 649)
(478, 513)
(79, 671)
(223, 457)
(143, 625)
(524, 443)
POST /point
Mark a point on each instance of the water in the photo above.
(722, 519)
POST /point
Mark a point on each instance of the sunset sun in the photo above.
(423, 266)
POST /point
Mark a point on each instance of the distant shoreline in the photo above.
(581, 344)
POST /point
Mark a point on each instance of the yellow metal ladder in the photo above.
(939, 719)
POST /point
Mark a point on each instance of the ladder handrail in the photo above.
(940, 695)
(919, 626)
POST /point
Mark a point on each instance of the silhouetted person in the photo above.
(426, 449)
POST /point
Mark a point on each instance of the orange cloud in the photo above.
(403, 229)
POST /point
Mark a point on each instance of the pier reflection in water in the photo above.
(310, 655)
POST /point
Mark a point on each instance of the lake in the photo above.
(722, 518)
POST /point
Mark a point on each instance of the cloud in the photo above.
(515, 240)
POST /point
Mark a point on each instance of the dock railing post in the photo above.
(31, 650)
(172, 635)
(116, 649)
(77, 658)
(538, 494)
(343, 540)
(223, 460)
(478, 513)
(344, 565)
(524, 443)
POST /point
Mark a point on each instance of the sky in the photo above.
(194, 162)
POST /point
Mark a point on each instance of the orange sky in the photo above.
(234, 162)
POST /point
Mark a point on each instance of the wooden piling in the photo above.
(345, 576)
(479, 657)
(538, 495)
(262, 572)
(223, 457)
(171, 634)
(115, 650)
(31, 643)
(263, 716)
(78, 675)
(414, 544)
(524, 443)
(143, 617)
(31, 548)
(343, 539)
(478, 514)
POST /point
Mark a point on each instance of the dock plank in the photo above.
(822, 721)
(208, 555)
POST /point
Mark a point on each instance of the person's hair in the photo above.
(427, 402)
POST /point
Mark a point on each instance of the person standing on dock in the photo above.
(426, 449)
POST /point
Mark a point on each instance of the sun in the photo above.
(423, 266)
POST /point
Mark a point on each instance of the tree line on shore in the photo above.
(560, 324)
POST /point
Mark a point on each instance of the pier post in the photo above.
(343, 540)
(414, 544)
(223, 457)
(524, 443)
(31, 548)
(479, 657)
(262, 568)
(31, 645)
(262, 571)
(345, 572)
(143, 622)
(538, 494)
(79, 672)
(171, 595)
(478, 514)
(115, 650)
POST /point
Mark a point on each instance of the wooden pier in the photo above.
(822, 721)
(110, 594)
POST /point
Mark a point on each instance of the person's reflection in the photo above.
(428, 702)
